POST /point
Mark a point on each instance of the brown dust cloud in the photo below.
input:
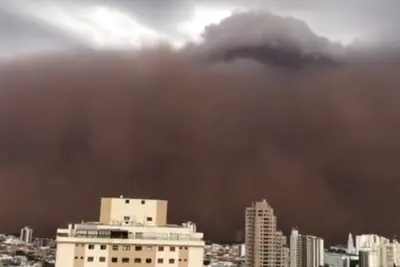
(210, 128)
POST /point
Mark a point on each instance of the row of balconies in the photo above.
(119, 234)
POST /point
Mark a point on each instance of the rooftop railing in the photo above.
(118, 234)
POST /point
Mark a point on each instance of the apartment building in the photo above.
(26, 235)
(306, 250)
(265, 245)
(377, 251)
(130, 232)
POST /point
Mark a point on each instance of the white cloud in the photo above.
(99, 26)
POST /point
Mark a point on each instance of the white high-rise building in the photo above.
(130, 232)
(294, 248)
(377, 251)
(306, 250)
(396, 252)
(26, 234)
(242, 250)
(370, 241)
(368, 258)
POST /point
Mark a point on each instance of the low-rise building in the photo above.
(130, 232)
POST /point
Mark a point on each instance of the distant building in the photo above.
(265, 245)
(130, 232)
(242, 250)
(377, 251)
(350, 245)
(26, 235)
(369, 258)
(369, 241)
(306, 250)
(338, 257)
(42, 242)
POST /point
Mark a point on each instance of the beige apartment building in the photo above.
(306, 250)
(130, 232)
(265, 245)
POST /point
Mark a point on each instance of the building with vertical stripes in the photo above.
(306, 250)
(265, 245)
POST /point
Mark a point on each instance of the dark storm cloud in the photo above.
(268, 38)
(320, 144)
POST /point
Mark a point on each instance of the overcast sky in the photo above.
(35, 26)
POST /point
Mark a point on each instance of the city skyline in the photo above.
(351, 243)
(136, 231)
(235, 238)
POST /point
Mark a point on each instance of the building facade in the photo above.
(26, 235)
(369, 258)
(340, 258)
(265, 245)
(306, 250)
(377, 251)
(130, 232)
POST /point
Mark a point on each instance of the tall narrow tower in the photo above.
(295, 248)
(350, 245)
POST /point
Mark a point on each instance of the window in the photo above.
(115, 247)
(160, 260)
(103, 247)
(126, 248)
(149, 219)
(114, 260)
(81, 257)
(91, 246)
(125, 260)
(138, 248)
(76, 257)
(143, 202)
(127, 201)
(90, 259)
(171, 261)
(186, 248)
(139, 235)
(184, 259)
(137, 260)
(127, 218)
(171, 248)
(160, 248)
(102, 259)
(148, 260)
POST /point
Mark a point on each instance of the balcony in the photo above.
(121, 234)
